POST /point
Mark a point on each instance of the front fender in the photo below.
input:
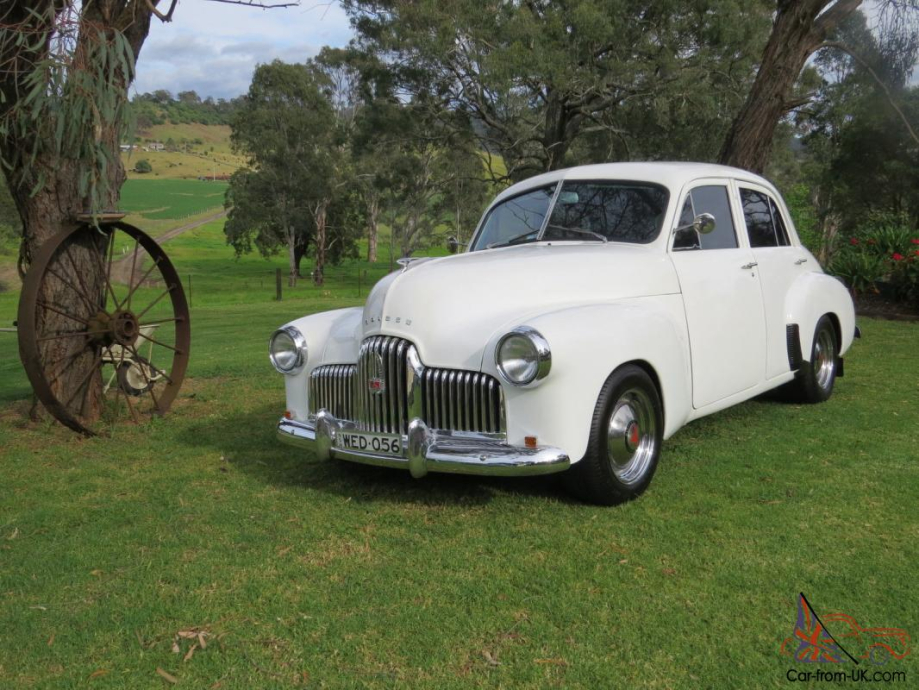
(588, 343)
(811, 296)
(332, 337)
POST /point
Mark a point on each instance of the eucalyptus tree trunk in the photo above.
(798, 31)
(321, 242)
(46, 188)
(373, 228)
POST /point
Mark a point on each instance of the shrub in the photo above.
(884, 251)
(143, 166)
(860, 270)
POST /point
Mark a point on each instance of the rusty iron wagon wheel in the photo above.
(95, 325)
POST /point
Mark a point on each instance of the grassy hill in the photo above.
(202, 151)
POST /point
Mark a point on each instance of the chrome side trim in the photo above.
(428, 450)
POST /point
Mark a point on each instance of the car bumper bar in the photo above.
(427, 450)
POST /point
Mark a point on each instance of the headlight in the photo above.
(523, 356)
(287, 350)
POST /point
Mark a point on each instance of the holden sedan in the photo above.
(596, 311)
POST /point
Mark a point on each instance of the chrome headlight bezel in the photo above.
(540, 352)
(300, 348)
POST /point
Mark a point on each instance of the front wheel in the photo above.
(625, 440)
(815, 380)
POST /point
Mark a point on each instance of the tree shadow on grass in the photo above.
(247, 442)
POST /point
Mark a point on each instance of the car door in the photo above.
(721, 296)
(780, 258)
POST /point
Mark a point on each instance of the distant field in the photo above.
(171, 199)
(212, 157)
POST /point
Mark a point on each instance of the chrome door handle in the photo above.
(750, 265)
(800, 261)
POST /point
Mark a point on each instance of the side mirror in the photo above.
(453, 245)
(703, 224)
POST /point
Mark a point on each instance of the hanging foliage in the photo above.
(69, 76)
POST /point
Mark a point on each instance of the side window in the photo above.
(781, 229)
(758, 216)
(712, 199)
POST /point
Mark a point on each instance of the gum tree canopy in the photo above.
(65, 68)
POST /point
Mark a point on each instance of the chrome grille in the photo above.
(331, 388)
(451, 399)
(462, 401)
(382, 360)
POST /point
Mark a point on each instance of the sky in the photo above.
(213, 48)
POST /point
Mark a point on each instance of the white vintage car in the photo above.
(596, 311)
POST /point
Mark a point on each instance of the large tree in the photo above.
(800, 29)
(539, 77)
(287, 130)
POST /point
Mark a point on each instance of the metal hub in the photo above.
(631, 438)
(824, 358)
(124, 327)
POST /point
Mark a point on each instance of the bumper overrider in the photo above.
(426, 450)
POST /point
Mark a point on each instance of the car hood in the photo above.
(451, 306)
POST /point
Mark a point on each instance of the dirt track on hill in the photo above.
(121, 269)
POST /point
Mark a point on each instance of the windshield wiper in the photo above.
(513, 240)
(582, 231)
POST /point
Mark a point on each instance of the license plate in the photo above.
(378, 444)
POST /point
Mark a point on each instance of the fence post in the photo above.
(277, 281)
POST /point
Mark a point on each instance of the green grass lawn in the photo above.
(170, 199)
(335, 575)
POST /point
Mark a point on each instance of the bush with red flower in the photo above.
(882, 257)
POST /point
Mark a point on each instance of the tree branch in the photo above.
(260, 4)
(860, 60)
(159, 15)
(827, 22)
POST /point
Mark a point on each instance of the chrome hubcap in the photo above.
(824, 358)
(631, 438)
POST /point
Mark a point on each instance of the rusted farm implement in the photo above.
(123, 325)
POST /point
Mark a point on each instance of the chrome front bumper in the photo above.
(427, 450)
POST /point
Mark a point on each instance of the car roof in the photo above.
(672, 175)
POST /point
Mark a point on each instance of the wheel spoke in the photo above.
(133, 288)
(69, 357)
(92, 307)
(76, 271)
(157, 322)
(57, 310)
(162, 295)
(68, 334)
(157, 342)
(102, 260)
(85, 380)
(131, 279)
(150, 383)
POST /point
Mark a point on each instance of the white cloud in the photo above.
(213, 48)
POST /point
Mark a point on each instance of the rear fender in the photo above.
(811, 296)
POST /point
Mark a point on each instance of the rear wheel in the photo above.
(817, 377)
(625, 440)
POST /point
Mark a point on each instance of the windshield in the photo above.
(520, 216)
(591, 211)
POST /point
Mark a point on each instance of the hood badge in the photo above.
(376, 381)
(388, 319)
